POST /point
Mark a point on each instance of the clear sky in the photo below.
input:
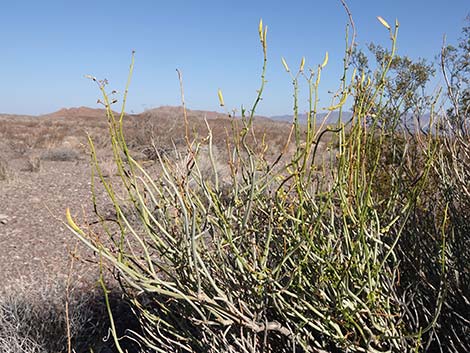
(46, 47)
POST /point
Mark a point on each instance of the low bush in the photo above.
(60, 154)
(358, 253)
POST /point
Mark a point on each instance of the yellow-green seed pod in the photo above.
(260, 29)
(221, 98)
(384, 23)
(363, 77)
(285, 64)
(302, 64)
(70, 221)
(353, 75)
(325, 61)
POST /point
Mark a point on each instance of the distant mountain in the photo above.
(172, 112)
(410, 121)
(164, 112)
(329, 117)
(78, 112)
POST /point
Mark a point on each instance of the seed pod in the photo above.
(285, 64)
(221, 98)
(384, 23)
(325, 61)
(260, 29)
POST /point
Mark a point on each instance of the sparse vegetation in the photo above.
(3, 170)
(356, 254)
(237, 234)
(33, 164)
(33, 319)
(60, 154)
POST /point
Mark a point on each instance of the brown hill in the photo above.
(82, 112)
(173, 111)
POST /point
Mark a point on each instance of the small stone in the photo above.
(3, 219)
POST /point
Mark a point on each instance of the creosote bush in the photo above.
(296, 256)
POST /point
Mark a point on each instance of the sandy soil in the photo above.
(34, 242)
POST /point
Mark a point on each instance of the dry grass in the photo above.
(33, 318)
(4, 172)
(33, 164)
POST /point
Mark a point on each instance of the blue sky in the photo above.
(46, 48)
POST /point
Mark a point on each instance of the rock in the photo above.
(3, 218)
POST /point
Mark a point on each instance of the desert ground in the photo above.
(46, 168)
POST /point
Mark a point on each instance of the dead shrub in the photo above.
(33, 164)
(33, 319)
(60, 154)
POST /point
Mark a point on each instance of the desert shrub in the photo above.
(33, 164)
(434, 251)
(60, 154)
(454, 173)
(350, 255)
